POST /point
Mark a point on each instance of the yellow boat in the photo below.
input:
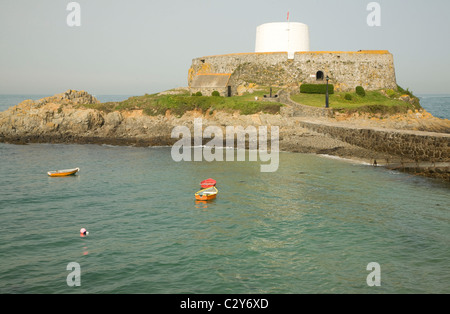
(63, 173)
(206, 194)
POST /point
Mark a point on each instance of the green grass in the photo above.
(153, 105)
(178, 104)
(373, 102)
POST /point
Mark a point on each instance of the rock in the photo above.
(84, 120)
(405, 98)
(51, 126)
(113, 119)
(74, 97)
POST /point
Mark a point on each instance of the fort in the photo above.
(282, 59)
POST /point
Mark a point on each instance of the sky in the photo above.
(133, 47)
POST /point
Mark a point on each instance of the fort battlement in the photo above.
(371, 69)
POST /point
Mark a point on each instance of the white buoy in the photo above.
(84, 232)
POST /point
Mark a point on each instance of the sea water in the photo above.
(437, 105)
(311, 227)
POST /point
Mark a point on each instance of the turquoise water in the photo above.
(437, 105)
(311, 227)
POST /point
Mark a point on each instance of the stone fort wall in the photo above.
(371, 69)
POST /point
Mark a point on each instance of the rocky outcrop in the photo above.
(61, 119)
(51, 117)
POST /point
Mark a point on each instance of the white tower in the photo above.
(282, 37)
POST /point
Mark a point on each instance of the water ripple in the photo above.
(311, 227)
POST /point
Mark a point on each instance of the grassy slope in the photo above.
(178, 104)
(374, 101)
(155, 104)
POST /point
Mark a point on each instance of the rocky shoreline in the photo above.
(61, 119)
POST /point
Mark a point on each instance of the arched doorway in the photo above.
(319, 76)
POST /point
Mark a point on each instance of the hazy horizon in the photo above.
(138, 47)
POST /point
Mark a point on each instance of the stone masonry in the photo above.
(371, 69)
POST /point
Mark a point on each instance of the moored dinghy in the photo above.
(206, 194)
(63, 173)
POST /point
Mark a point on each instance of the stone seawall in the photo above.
(416, 146)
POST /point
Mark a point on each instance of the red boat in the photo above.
(208, 183)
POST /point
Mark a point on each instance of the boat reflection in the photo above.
(203, 204)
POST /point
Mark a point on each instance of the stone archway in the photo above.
(319, 76)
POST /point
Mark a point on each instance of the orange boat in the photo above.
(63, 173)
(206, 194)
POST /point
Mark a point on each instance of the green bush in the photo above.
(348, 97)
(407, 91)
(390, 93)
(360, 91)
(316, 88)
(215, 93)
(197, 94)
